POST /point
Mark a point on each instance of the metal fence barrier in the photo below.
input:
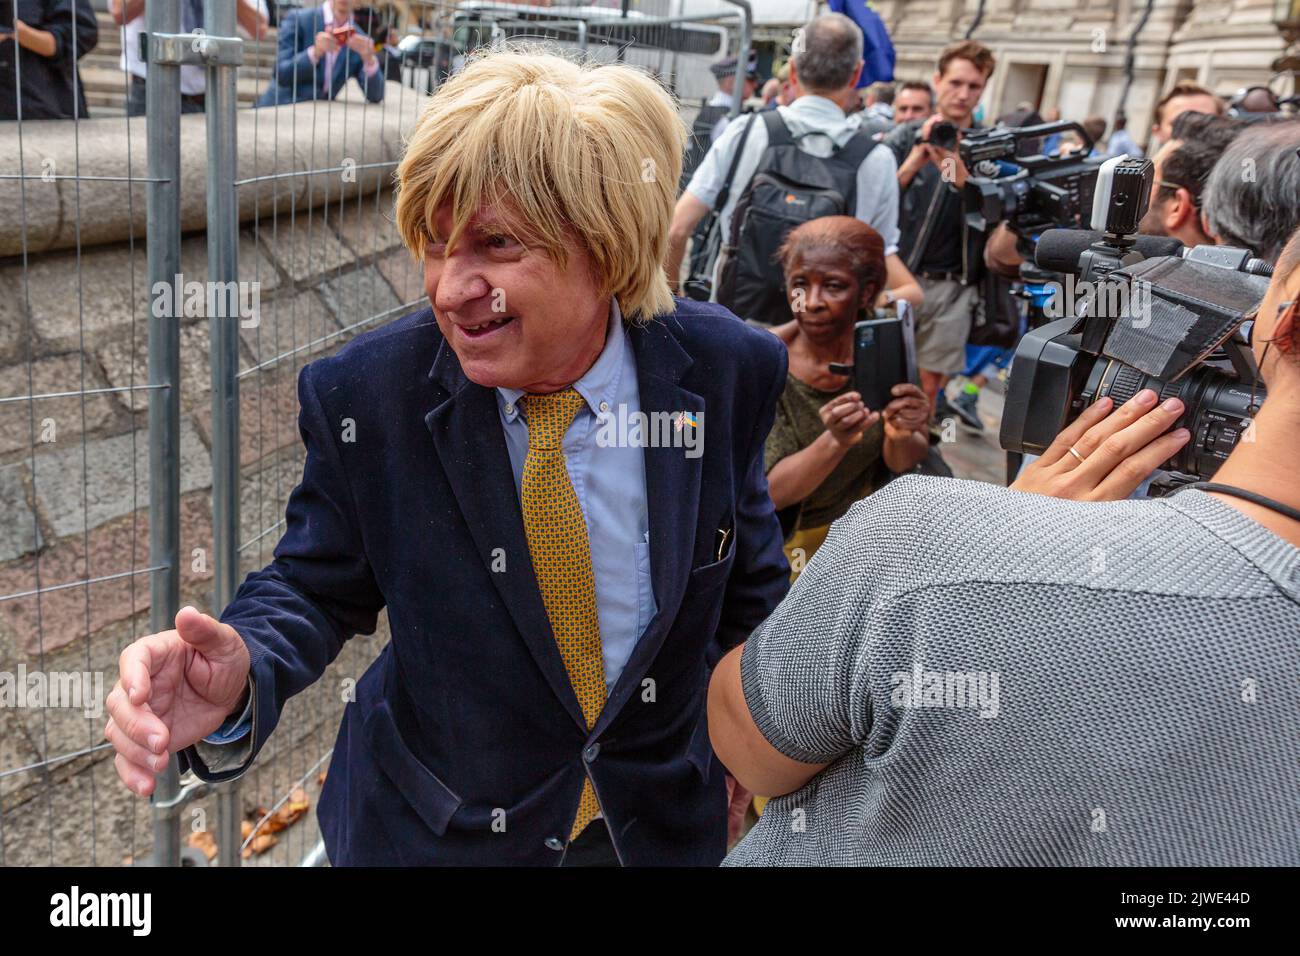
(163, 278)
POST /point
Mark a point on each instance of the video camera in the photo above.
(1151, 313)
(1032, 192)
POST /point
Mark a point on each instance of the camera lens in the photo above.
(943, 135)
(1217, 410)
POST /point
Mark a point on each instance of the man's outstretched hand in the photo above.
(174, 689)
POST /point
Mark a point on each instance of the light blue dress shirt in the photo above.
(609, 481)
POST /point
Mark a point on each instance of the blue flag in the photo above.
(877, 48)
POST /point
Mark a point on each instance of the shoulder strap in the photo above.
(725, 192)
(778, 134)
(859, 146)
(1246, 495)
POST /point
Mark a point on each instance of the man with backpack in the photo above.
(773, 170)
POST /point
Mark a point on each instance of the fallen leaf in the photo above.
(203, 840)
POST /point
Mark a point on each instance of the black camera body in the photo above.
(1171, 323)
(1030, 192)
(943, 135)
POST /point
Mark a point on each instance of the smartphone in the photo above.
(884, 355)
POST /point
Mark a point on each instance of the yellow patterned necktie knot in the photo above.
(549, 417)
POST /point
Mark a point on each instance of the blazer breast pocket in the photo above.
(708, 576)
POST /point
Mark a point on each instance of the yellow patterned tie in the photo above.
(561, 553)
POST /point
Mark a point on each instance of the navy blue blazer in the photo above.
(297, 79)
(468, 711)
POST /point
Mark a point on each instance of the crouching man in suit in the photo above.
(555, 487)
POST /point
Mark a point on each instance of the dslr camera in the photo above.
(1148, 314)
(943, 135)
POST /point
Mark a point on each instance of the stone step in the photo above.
(104, 85)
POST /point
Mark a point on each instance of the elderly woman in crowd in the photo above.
(826, 449)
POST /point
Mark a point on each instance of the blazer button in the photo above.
(554, 843)
(591, 753)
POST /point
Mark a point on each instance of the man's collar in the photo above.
(328, 7)
(599, 384)
(810, 104)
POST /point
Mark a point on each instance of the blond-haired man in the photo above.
(525, 486)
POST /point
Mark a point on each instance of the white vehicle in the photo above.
(680, 54)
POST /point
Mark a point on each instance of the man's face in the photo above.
(1192, 103)
(342, 10)
(911, 105)
(1153, 222)
(751, 84)
(958, 91)
(514, 318)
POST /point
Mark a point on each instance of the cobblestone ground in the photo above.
(973, 454)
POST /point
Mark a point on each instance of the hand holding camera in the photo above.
(937, 144)
(362, 45)
(325, 43)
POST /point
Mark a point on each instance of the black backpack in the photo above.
(788, 188)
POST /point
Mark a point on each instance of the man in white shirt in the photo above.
(820, 126)
(129, 14)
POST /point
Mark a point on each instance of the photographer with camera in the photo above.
(1132, 664)
(935, 243)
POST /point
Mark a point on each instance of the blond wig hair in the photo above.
(571, 149)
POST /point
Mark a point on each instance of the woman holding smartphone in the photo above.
(826, 449)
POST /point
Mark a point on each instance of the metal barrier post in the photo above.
(163, 126)
(742, 55)
(223, 268)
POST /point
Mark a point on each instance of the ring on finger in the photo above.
(1075, 452)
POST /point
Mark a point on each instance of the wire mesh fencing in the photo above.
(170, 261)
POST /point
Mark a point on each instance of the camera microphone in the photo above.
(1059, 250)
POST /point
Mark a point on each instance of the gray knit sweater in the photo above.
(1004, 678)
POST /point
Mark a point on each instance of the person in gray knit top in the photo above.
(973, 675)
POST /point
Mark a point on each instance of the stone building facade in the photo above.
(1070, 53)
